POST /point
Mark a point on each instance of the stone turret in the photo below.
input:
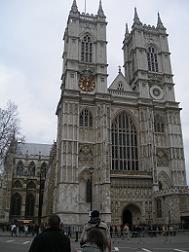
(100, 10)
(74, 8)
(160, 25)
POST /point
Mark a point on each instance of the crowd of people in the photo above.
(95, 236)
(21, 229)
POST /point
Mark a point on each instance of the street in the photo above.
(179, 243)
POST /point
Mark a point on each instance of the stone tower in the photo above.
(119, 149)
(83, 147)
(159, 137)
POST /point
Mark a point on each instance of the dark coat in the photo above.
(51, 240)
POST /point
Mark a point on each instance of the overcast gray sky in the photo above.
(31, 48)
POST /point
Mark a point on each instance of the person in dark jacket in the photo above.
(51, 239)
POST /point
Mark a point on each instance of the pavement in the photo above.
(178, 243)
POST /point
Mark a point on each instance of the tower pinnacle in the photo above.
(159, 23)
(126, 30)
(100, 10)
(74, 8)
(136, 18)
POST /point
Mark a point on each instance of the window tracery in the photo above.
(16, 202)
(159, 125)
(85, 118)
(43, 170)
(124, 143)
(86, 49)
(30, 202)
(31, 169)
(20, 169)
(17, 184)
(152, 59)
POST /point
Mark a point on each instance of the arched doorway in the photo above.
(131, 215)
(127, 217)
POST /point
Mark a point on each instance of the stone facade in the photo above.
(123, 141)
(24, 176)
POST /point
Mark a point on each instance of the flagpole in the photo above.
(85, 6)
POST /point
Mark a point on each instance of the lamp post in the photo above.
(91, 170)
(40, 193)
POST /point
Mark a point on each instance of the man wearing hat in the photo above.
(93, 223)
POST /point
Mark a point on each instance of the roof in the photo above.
(33, 149)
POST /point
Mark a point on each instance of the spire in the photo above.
(100, 10)
(74, 8)
(159, 23)
(126, 30)
(136, 18)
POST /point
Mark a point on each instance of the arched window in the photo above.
(43, 170)
(16, 202)
(31, 185)
(158, 208)
(86, 49)
(30, 202)
(124, 143)
(85, 118)
(120, 86)
(88, 190)
(20, 169)
(17, 184)
(160, 186)
(159, 125)
(152, 59)
(31, 169)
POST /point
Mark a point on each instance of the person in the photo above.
(96, 241)
(52, 239)
(96, 223)
(13, 230)
(126, 231)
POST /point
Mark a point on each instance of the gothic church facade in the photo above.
(119, 146)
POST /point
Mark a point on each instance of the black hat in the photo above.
(95, 214)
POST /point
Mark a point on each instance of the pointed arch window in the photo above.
(88, 190)
(16, 202)
(31, 185)
(158, 208)
(31, 169)
(86, 49)
(43, 170)
(124, 143)
(30, 203)
(152, 59)
(17, 184)
(85, 118)
(159, 125)
(20, 169)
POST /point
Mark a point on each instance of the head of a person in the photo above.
(95, 217)
(54, 221)
(95, 236)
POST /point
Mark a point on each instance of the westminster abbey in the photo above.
(119, 145)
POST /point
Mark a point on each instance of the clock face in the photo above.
(86, 81)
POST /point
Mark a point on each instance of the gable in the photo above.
(120, 83)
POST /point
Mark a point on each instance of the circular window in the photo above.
(156, 92)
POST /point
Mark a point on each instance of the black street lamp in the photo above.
(91, 170)
(40, 192)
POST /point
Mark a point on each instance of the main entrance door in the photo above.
(131, 215)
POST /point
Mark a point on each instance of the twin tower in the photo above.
(119, 145)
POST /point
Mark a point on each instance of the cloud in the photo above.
(31, 48)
